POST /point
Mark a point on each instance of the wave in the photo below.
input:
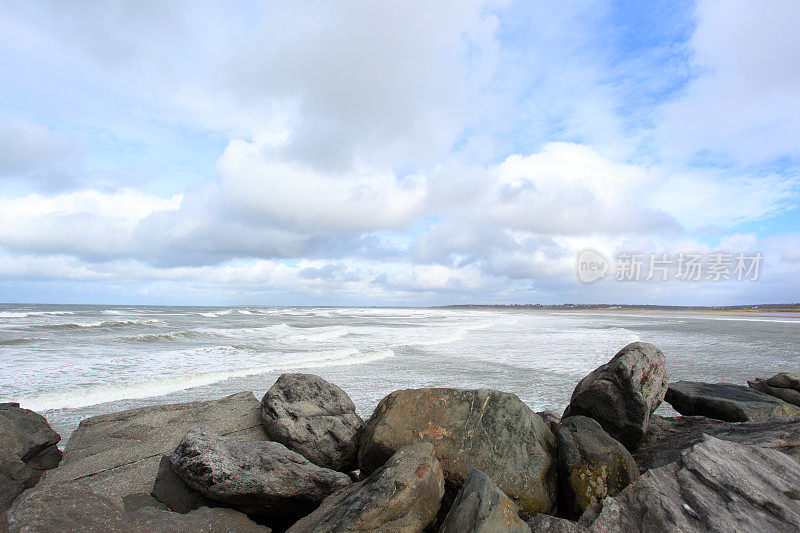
(160, 387)
(97, 324)
(14, 342)
(25, 314)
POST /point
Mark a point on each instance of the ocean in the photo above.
(71, 362)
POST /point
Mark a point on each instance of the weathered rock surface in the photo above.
(173, 492)
(725, 401)
(118, 454)
(27, 449)
(259, 478)
(668, 437)
(488, 430)
(480, 507)
(716, 486)
(551, 418)
(623, 393)
(402, 495)
(784, 386)
(74, 506)
(591, 465)
(552, 524)
(314, 418)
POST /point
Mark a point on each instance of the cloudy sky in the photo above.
(393, 152)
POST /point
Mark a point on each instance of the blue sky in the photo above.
(393, 153)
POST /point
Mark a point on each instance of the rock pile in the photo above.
(451, 460)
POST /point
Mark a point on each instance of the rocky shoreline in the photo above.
(439, 459)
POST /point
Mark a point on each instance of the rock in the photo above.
(153, 520)
(258, 478)
(488, 430)
(173, 492)
(402, 495)
(73, 506)
(591, 465)
(480, 507)
(27, 449)
(668, 437)
(551, 418)
(314, 418)
(623, 393)
(550, 524)
(725, 401)
(784, 386)
(716, 485)
(118, 453)
(65, 507)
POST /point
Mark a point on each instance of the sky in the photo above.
(395, 152)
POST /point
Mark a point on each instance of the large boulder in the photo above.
(258, 478)
(118, 454)
(314, 418)
(480, 507)
(73, 506)
(783, 385)
(172, 491)
(726, 401)
(27, 449)
(623, 393)
(488, 430)
(402, 495)
(716, 485)
(667, 437)
(591, 465)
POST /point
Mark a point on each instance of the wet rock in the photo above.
(314, 418)
(118, 454)
(667, 437)
(401, 495)
(480, 507)
(591, 465)
(717, 485)
(27, 449)
(258, 478)
(623, 393)
(784, 386)
(173, 492)
(488, 430)
(725, 401)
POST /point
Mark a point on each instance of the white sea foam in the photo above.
(15, 314)
(160, 387)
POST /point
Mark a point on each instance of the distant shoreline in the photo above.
(785, 310)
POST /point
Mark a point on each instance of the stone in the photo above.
(551, 417)
(726, 401)
(401, 495)
(591, 465)
(784, 386)
(480, 507)
(546, 523)
(716, 485)
(667, 437)
(257, 478)
(152, 520)
(623, 393)
(27, 449)
(118, 454)
(488, 430)
(314, 418)
(172, 491)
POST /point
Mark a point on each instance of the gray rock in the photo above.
(623, 393)
(717, 485)
(173, 492)
(784, 386)
(591, 465)
(668, 437)
(552, 418)
(258, 478)
(65, 507)
(491, 431)
(314, 418)
(152, 520)
(725, 401)
(481, 507)
(551, 524)
(27, 449)
(402, 495)
(118, 453)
